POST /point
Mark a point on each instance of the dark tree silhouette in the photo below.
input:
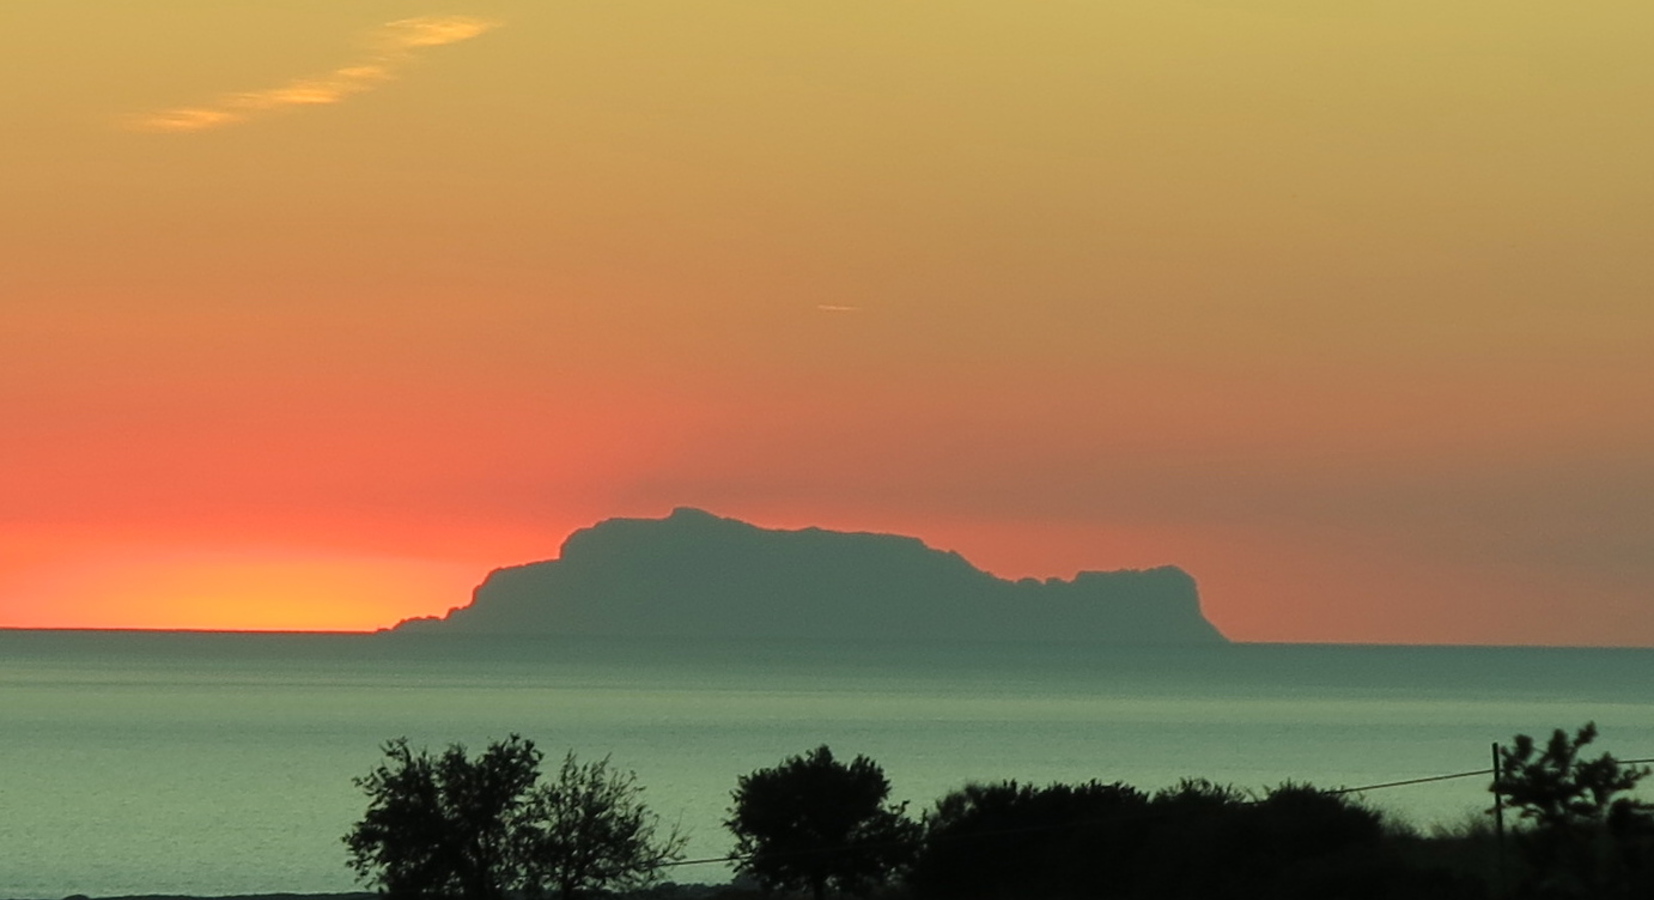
(814, 823)
(1587, 837)
(590, 830)
(444, 825)
(485, 828)
(988, 841)
(1194, 840)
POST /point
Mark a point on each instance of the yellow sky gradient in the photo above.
(1346, 309)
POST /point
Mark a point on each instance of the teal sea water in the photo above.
(222, 764)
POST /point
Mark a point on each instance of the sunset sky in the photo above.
(314, 312)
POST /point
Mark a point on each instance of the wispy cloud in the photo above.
(829, 307)
(391, 46)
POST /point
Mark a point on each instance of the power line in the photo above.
(1425, 780)
(700, 862)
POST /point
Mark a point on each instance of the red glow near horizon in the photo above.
(240, 591)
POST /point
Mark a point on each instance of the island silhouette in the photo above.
(697, 575)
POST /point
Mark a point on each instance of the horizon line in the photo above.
(1231, 642)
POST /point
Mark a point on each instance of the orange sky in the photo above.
(314, 312)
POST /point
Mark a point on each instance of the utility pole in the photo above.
(1498, 825)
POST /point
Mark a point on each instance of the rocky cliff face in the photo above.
(695, 575)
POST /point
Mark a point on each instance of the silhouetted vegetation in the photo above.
(1002, 841)
(1585, 835)
(813, 823)
(589, 830)
(1014, 840)
(444, 826)
(486, 828)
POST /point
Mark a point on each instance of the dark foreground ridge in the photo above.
(697, 575)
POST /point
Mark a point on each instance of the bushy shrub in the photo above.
(1009, 841)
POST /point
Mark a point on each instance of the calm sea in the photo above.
(222, 764)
